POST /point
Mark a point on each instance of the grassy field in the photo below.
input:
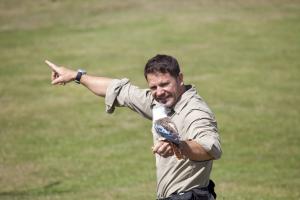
(58, 142)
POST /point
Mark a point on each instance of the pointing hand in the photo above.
(61, 75)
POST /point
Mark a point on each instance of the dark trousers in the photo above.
(195, 194)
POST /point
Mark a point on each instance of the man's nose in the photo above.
(160, 91)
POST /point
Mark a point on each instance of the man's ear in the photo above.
(180, 79)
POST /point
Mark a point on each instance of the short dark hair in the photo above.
(162, 64)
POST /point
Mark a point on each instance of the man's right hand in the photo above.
(163, 148)
(61, 75)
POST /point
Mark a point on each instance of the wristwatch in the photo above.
(80, 72)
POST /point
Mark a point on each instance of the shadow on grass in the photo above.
(43, 190)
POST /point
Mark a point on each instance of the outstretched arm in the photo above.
(62, 75)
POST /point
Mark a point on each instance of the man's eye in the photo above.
(164, 84)
(152, 88)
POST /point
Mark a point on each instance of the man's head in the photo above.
(162, 64)
(165, 80)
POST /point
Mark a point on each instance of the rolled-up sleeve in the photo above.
(122, 93)
(112, 93)
(203, 129)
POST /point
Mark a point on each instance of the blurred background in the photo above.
(58, 143)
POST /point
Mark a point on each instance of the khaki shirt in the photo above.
(194, 121)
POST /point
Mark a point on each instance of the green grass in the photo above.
(58, 142)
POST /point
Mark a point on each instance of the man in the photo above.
(176, 179)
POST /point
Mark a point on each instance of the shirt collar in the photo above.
(185, 98)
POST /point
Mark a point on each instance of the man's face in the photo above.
(165, 88)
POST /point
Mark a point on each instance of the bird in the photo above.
(166, 129)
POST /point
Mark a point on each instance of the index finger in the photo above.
(51, 65)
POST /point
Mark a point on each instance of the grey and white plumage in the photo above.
(166, 129)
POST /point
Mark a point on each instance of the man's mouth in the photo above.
(163, 100)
